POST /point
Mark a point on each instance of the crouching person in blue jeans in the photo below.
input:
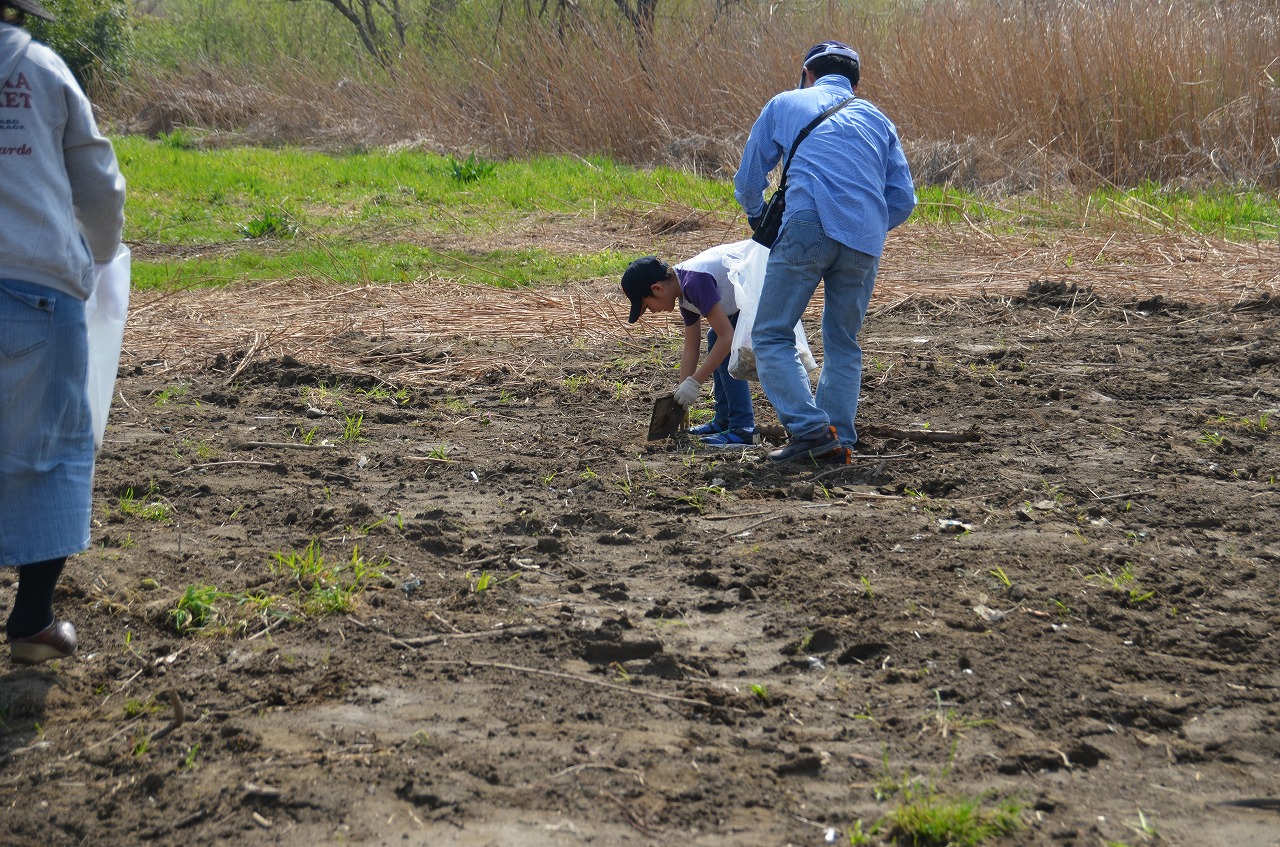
(701, 288)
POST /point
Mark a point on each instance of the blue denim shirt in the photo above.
(850, 168)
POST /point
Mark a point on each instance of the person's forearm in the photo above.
(689, 356)
(719, 352)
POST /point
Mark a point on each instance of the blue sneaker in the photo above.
(821, 445)
(733, 438)
(708, 428)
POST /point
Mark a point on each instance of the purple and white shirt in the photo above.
(704, 282)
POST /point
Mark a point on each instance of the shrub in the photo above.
(91, 36)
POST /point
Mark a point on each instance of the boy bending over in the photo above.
(701, 288)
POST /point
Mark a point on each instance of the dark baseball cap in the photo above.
(31, 7)
(827, 48)
(638, 280)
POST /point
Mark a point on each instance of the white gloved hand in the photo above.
(687, 392)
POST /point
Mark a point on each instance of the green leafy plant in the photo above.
(470, 170)
(486, 580)
(1213, 438)
(269, 224)
(197, 608)
(321, 586)
(351, 428)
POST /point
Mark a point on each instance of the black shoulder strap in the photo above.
(782, 181)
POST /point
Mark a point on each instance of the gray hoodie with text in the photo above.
(61, 192)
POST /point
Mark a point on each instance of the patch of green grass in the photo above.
(321, 586)
(926, 818)
(1248, 215)
(367, 215)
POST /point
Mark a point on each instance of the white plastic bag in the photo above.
(746, 272)
(105, 313)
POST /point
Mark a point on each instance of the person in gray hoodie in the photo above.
(61, 210)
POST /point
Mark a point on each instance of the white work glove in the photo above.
(687, 392)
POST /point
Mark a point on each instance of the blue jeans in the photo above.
(732, 395)
(46, 432)
(802, 257)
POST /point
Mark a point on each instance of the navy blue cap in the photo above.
(638, 280)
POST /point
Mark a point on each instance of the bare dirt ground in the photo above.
(558, 633)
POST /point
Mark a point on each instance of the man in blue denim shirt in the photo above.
(848, 185)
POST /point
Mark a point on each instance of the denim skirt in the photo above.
(46, 435)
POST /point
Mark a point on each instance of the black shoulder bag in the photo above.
(771, 221)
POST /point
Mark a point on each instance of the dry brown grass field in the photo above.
(989, 97)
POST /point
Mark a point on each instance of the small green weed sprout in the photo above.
(197, 608)
(760, 692)
(1002, 577)
(351, 428)
(154, 510)
(142, 745)
(948, 722)
(321, 587)
(378, 392)
(858, 837)
(486, 581)
(1118, 581)
(303, 567)
(134, 706)
(173, 392)
(1213, 438)
(1143, 827)
(1125, 582)
(269, 223)
(189, 760)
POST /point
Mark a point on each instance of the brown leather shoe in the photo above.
(56, 641)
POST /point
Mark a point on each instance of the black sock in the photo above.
(33, 605)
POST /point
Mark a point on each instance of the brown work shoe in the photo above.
(55, 641)
(821, 445)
